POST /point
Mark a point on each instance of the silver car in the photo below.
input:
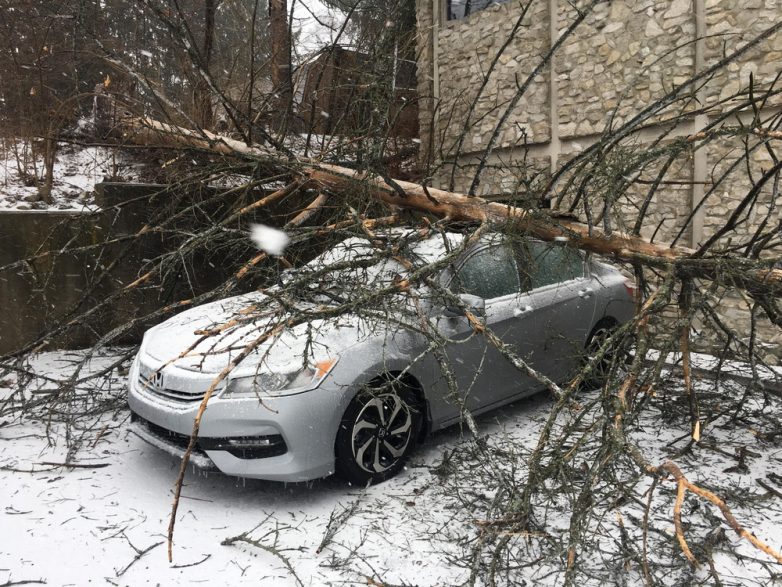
(353, 358)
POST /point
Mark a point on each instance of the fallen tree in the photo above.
(759, 278)
(591, 458)
(680, 264)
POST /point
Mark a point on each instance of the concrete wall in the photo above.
(626, 55)
(37, 296)
(34, 295)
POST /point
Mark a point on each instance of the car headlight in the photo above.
(265, 384)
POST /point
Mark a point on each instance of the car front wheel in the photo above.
(617, 357)
(377, 433)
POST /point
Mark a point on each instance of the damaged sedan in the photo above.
(352, 359)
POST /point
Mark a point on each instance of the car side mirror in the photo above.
(473, 304)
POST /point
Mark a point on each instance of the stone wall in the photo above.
(465, 109)
(730, 24)
(624, 57)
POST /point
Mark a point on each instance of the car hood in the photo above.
(181, 340)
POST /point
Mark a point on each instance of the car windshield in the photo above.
(358, 263)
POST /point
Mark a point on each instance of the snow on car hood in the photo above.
(181, 340)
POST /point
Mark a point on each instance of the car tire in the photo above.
(599, 376)
(378, 431)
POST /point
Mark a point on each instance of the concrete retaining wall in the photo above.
(36, 297)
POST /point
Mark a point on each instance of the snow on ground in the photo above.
(105, 521)
(82, 525)
(76, 171)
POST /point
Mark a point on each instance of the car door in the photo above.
(563, 296)
(484, 376)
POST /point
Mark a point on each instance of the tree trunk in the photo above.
(281, 58)
(202, 96)
(49, 156)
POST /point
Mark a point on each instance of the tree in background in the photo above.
(282, 82)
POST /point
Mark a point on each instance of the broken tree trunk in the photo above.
(755, 277)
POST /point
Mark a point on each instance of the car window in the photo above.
(545, 264)
(489, 273)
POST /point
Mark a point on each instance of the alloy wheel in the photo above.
(381, 433)
(602, 367)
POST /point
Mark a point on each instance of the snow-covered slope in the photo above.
(76, 171)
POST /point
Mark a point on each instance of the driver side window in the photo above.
(489, 273)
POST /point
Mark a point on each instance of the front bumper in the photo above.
(167, 442)
(307, 423)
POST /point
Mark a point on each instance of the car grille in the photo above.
(175, 439)
(174, 395)
(258, 447)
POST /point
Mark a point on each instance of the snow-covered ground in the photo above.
(74, 526)
(103, 520)
(76, 171)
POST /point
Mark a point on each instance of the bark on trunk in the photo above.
(281, 57)
(49, 156)
(202, 96)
